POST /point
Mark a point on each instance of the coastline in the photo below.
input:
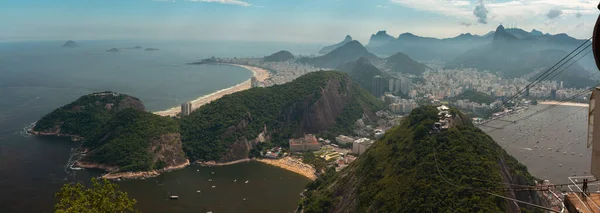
(286, 163)
(213, 163)
(292, 165)
(563, 103)
(128, 175)
(260, 74)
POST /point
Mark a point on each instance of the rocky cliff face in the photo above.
(167, 150)
(324, 112)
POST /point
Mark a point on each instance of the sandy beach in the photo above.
(260, 74)
(292, 165)
(564, 104)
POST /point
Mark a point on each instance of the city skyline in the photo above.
(312, 21)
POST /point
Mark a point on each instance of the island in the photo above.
(70, 44)
(114, 50)
(151, 49)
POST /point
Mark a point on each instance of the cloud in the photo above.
(466, 24)
(480, 12)
(553, 13)
(382, 6)
(234, 2)
(578, 15)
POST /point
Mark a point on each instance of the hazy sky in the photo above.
(284, 20)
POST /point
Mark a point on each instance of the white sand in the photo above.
(260, 74)
(564, 104)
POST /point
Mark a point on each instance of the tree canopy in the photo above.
(102, 197)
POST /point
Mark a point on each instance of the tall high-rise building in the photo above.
(392, 84)
(397, 87)
(553, 94)
(406, 85)
(186, 108)
(253, 82)
(377, 86)
(561, 85)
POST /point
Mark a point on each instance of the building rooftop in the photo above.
(589, 205)
(307, 139)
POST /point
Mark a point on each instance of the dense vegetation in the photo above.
(279, 56)
(84, 115)
(474, 96)
(413, 170)
(210, 131)
(100, 198)
(125, 139)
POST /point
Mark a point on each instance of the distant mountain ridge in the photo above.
(330, 48)
(70, 44)
(512, 52)
(512, 57)
(379, 39)
(351, 51)
(279, 56)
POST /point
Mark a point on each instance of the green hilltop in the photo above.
(85, 114)
(324, 101)
(413, 170)
(136, 140)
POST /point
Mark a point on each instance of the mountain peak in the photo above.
(501, 34)
(381, 32)
(500, 28)
(330, 48)
(70, 43)
(348, 38)
(536, 32)
(379, 39)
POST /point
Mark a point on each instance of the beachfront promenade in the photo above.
(293, 165)
(260, 74)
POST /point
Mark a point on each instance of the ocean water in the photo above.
(551, 144)
(37, 77)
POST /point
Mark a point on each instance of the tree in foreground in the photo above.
(101, 197)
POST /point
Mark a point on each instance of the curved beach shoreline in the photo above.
(260, 74)
(564, 103)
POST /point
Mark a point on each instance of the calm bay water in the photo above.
(551, 144)
(37, 77)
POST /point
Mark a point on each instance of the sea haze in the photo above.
(37, 77)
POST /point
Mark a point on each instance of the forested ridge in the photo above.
(399, 172)
(281, 109)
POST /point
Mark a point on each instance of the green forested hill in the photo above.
(84, 115)
(135, 140)
(313, 103)
(399, 173)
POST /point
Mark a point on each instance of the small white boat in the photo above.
(214, 187)
(235, 180)
(173, 197)
(209, 180)
(76, 168)
(247, 181)
(213, 173)
(244, 199)
(198, 191)
(197, 170)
